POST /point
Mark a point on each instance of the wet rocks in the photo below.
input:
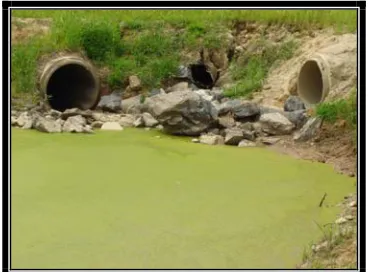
(276, 124)
(293, 103)
(112, 126)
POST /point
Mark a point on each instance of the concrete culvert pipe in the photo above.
(69, 82)
(330, 73)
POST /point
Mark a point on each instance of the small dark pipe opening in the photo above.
(310, 82)
(201, 77)
(71, 86)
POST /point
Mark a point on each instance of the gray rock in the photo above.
(309, 130)
(97, 124)
(233, 136)
(228, 106)
(88, 129)
(110, 103)
(269, 140)
(156, 92)
(113, 126)
(14, 113)
(183, 72)
(246, 143)
(134, 83)
(132, 105)
(149, 120)
(105, 117)
(127, 120)
(181, 86)
(246, 110)
(195, 140)
(160, 127)
(182, 112)
(298, 117)
(46, 125)
(138, 122)
(14, 121)
(204, 94)
(276, 124)
(75, 112)
(211, 139)
(214, 131)
(74, 124)
(23, 118)
(55, 113)
(249, 134)
(293, 103)
(28, 124)
(226, 121)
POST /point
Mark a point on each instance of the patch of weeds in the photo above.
(133, 25)
(99, 40)
(251, 70)
(342, 109)
(121, 69)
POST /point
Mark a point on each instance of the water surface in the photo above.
(131, 200)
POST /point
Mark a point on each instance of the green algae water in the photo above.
(130, 200)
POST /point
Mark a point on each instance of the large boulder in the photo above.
(182, 112)
(246, 110)
(111, 103)
(297, 117)
(276, 124)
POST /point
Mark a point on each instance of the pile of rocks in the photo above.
(181, 110)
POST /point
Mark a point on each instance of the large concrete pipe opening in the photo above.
(70, 82)
(313, 84)
(203, 76)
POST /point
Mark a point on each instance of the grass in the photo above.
(148, 42)
(250, 71)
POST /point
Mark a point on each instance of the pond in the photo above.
(131, 199)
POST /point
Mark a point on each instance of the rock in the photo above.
(46, 125)
(23, 118)
(353, 204)
(195, 140)
(113, 126)
(97, 124)
(127, 120)
(204, 94)
(269, 140)
(228, 106)
(74, 112)
(233, 136)
(183, 72)
(298, 117)
(226, 121)
(28, 124)
(294, 103)
(149, 120)
(341, 220)
(181, 86)
(147, 129)
(276, 124)
(132, 105)
(110, 103)
(218, 94)
(88, 129)
(74, 124)
(134, 83)
(320, 247)
(182, 112)
(309, 130)
(55, 113)
(245, 110)
(246, 143)
(138, 122)
(214, 131)
(349, 217)
(156, 92)
(14, 121)
(14, 113)
(105, 117)
(160, 127)
(211, 139)
(249, 134)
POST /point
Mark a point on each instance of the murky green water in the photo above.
(130, 200)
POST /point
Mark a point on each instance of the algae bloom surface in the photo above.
(131, 200)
